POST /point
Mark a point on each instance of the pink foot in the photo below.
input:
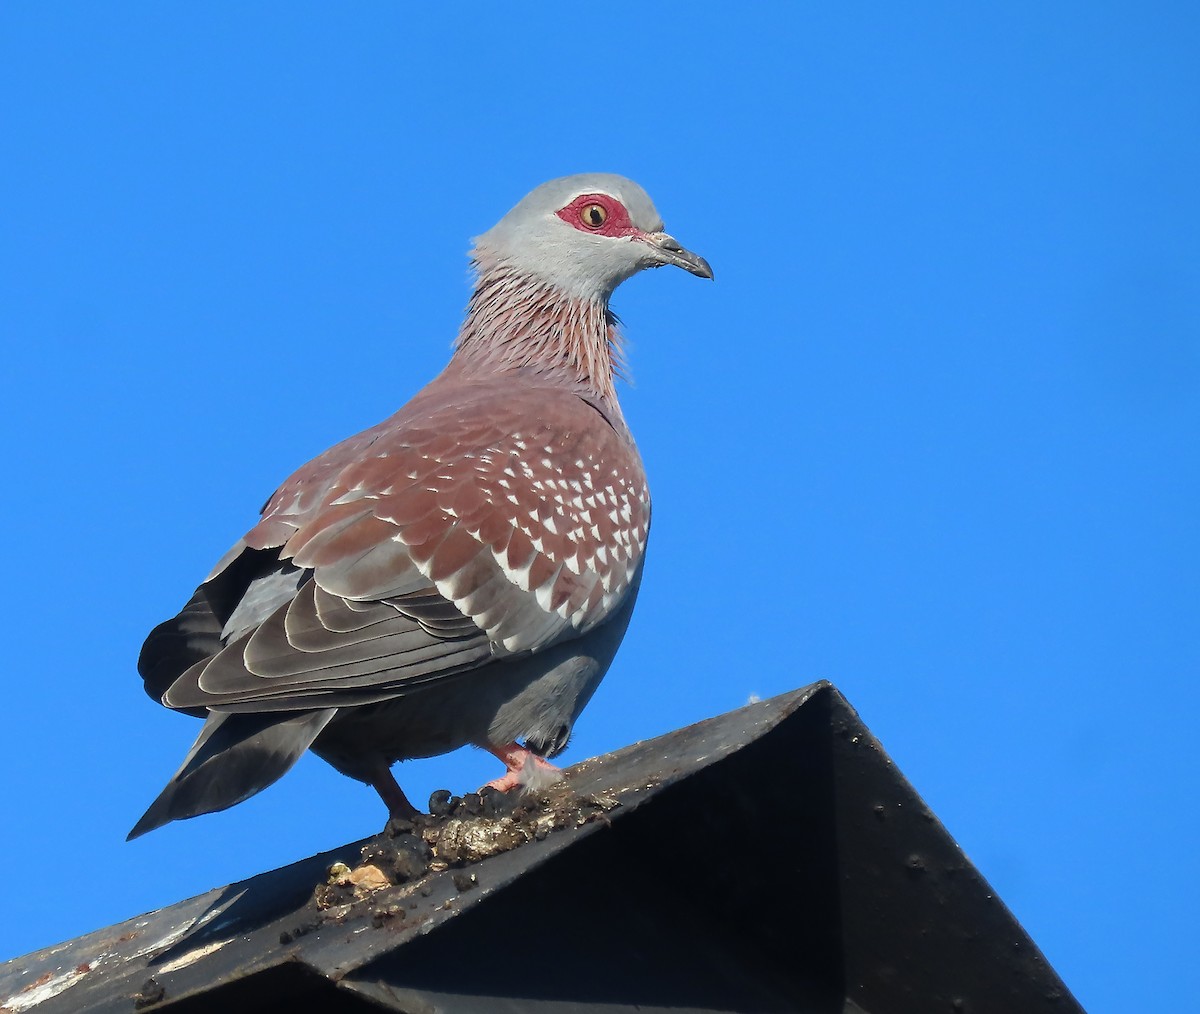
(525, 769)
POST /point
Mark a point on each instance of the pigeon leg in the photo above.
(525, 768)
(392, 795)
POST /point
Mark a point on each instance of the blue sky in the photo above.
(932, 433)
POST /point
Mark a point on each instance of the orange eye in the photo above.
(593, 215)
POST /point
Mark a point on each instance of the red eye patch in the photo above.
(600, 214)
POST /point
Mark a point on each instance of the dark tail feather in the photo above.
(235, 756)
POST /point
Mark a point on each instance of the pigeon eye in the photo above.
(593, 215)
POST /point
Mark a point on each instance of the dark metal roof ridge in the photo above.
(777, 839)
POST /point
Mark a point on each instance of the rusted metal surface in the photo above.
(770, 859)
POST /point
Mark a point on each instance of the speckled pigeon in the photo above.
(461, 573)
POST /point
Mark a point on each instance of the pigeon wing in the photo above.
(456, 532)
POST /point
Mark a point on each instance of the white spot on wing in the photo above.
(357, 492)
(545, 595)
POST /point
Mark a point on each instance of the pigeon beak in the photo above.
(668, 251)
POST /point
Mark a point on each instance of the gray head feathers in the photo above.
(534, 240)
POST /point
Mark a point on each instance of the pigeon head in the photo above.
(584, 235)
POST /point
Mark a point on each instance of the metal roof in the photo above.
(770, 859)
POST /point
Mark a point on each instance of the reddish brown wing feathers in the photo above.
(483, 519)
(469, 481)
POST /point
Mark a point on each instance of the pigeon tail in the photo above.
(234, 757)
